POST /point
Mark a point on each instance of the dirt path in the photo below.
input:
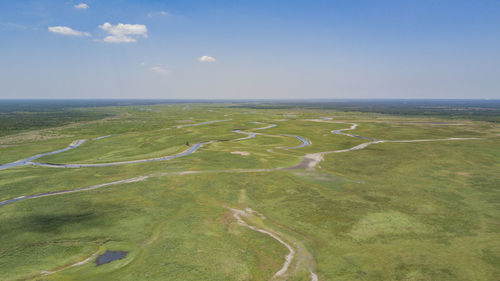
(103, 137)
(312, 159)
(237, 214)
(82, 262)
(52, 193)
(284, 271)
(424, 140)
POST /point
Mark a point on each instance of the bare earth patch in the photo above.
(244, 153)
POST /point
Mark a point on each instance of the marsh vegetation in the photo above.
(393, 197)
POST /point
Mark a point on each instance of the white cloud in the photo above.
(163, 13)
(160, 70)
(123, 33)
(81, 6)
(207, 59)
(64, 30)
(119, 39)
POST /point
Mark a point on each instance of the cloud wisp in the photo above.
(123, 33)
(81, 6)
(64, 30)
(160, 70)
(14, 26)
(206, 59)
(160, 13)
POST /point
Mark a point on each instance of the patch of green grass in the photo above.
(386, 223)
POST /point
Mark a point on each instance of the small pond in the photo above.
(110, 256)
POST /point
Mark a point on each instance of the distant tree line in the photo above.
(485, 110)
(14, 122)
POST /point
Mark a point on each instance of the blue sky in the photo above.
(250, 49)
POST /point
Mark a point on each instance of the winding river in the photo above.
(353, 126)
(308, 161)
(192, 149)
(303, 140)
(28, 161)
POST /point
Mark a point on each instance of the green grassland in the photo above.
(390, 211)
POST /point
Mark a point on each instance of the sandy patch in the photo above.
(244, 153)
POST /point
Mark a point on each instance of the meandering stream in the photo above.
(308, 161)
(190, 150)
(304, 141)
(29, 160)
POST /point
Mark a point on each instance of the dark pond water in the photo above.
(110, 256)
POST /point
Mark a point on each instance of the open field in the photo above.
(421, 202)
